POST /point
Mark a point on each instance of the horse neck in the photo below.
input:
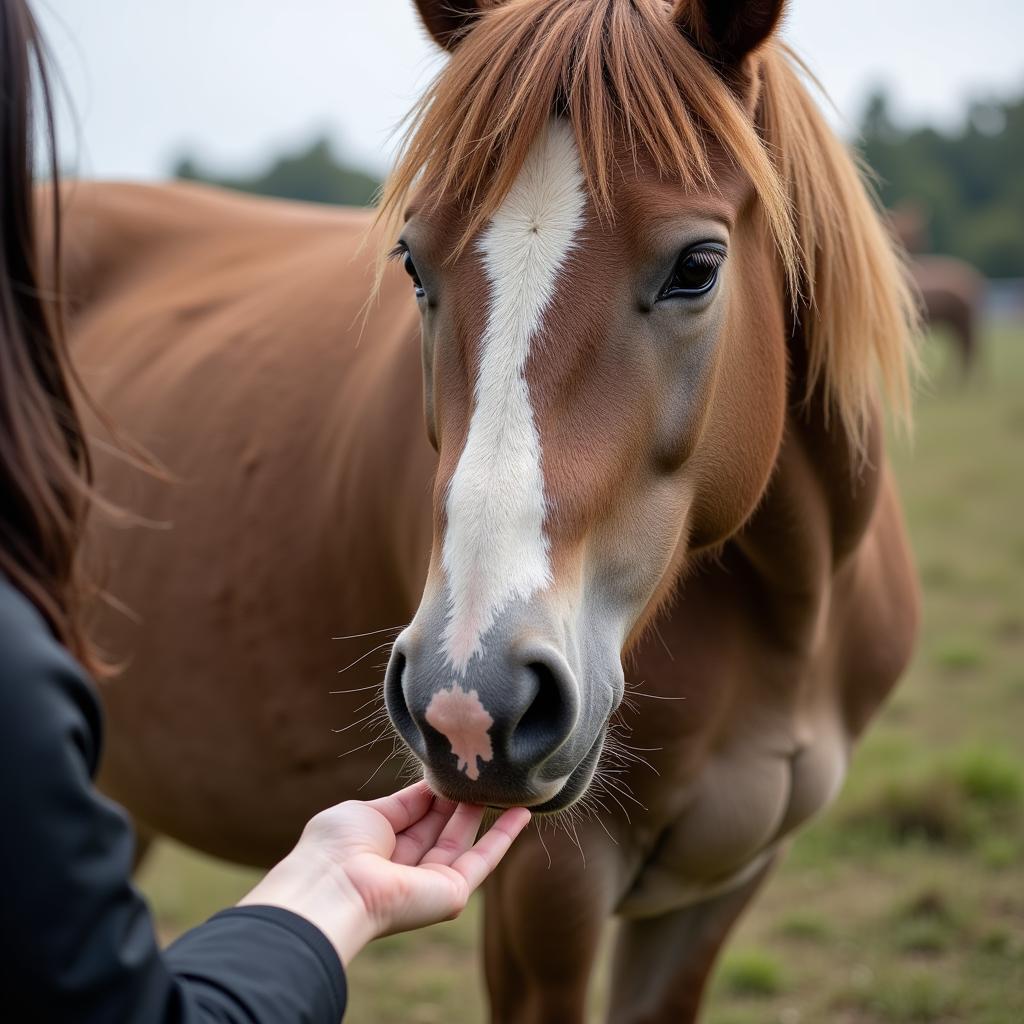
(373, 521)
(815, 512)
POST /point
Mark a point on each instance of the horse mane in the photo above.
(627, 79)
(858, 309)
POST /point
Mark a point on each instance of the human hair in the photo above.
(45, 469)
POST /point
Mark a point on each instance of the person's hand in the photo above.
(362, 870)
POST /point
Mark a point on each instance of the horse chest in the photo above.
(742, 801)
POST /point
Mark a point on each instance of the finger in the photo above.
(415, 841)
(457, 836)
(405, 807)
(477, 863)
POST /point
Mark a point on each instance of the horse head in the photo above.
(598, 222)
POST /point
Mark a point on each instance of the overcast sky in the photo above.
(235, 80)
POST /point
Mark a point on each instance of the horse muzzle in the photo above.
(506, 730)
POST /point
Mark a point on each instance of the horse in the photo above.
(952, 294)
(594, 463)
(951, 291)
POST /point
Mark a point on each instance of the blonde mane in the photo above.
(627, 80)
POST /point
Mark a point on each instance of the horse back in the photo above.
(117, 235)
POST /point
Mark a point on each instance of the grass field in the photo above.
(905, 902)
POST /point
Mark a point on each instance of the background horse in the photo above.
(651, 301)
(952, 295)
(951, 291)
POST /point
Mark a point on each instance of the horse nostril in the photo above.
(546, 704)
(397, 706)
(549, 717)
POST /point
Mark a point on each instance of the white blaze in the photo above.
(495, 550)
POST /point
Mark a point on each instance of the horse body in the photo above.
(682, 478)
(214, 330)
(750, 689)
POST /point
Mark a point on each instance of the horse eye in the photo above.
(410, 269)
(695, 272)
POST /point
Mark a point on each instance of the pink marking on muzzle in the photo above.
(463, 720)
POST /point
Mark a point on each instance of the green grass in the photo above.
(994, 778)
(751, 973)
(806, 925)
(905, 902)
(916, 995)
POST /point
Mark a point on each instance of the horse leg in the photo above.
(663, 963)
(542, 929)
(961, 321)
(970, 342)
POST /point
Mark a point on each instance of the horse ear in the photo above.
(728, 31)
(447, 21)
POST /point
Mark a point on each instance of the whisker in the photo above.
(622, 806)
(540, 836)
(576, 840)
(412, 769)
(362, 657)
(363, 746)
(377, 699)
(657, 633)
(394, 751)
(372, 632)
(624, 790)
(634, 691)
(600, 821)
(627, 754)
(381, 719)
(358, 721)
(358, 689)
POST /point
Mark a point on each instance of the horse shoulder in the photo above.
(876, 602)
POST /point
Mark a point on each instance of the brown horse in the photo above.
(651, 301)
(951, 292)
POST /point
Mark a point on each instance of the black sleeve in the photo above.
(76, 939)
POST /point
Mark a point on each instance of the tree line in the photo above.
(314, 173)
(967, 183)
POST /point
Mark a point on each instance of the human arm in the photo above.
(363, 870)
(77, 942)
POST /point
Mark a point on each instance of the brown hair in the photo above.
(45, 470)
(622, 72)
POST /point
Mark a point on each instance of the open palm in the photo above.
(411, 857)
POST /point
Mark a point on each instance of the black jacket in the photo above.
(76, 939)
